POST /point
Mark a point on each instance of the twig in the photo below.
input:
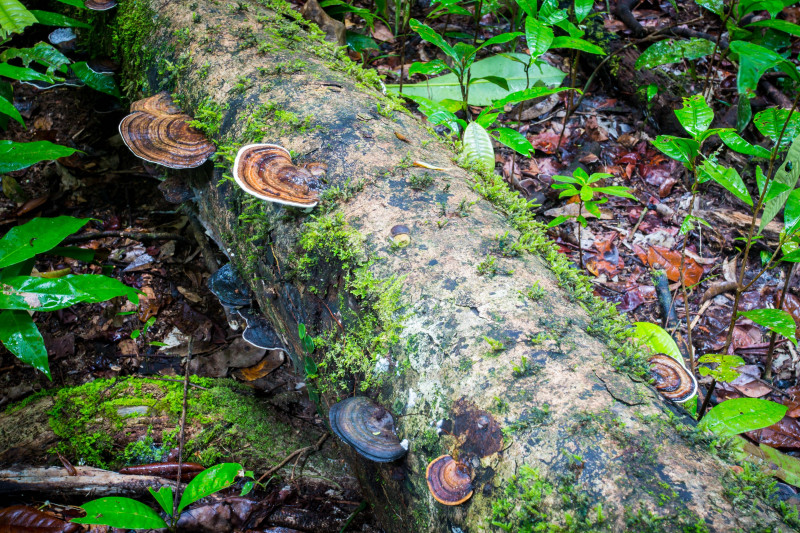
(774, 336)
(314, 447)
(135, 235)
(182, 437)
(361, 507)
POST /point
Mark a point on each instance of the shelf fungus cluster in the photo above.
(158, 132)
(449, 480)
(672, 379)
(266, 172)
(368, 428)
(234, 294)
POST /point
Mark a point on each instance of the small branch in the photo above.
(182, 437)
(315, 447)
(134, 235)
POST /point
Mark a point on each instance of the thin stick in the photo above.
(182, 437)
(135, 235)
(314, 447)
(774, 336)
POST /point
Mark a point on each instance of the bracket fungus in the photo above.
(259, 332)
(449, 481)
(266, 172)
(672, 379)
(400, 235)
(368, 428)
(229, 288)
(100, 5)
(158, 132)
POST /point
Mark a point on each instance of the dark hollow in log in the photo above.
(595, 445)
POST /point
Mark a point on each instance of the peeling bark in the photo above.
(595, 435)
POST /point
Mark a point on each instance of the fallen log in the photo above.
(89, 483)
(534, 394)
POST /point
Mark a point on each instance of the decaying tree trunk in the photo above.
(603, 445)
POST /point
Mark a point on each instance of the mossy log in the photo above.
(441, 331)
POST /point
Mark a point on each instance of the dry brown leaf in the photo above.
(669, 260)
(273, 360)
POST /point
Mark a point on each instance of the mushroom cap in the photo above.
(367, 427)
(259, 332)
(400, 229)
(672, 379)
(266, 172)
(100, 5)
(229, 288)
(158, 104)
(449, 481)
(167, 140)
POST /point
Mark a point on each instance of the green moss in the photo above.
(132, 43)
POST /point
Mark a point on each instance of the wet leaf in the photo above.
(120, 512)
(21, 337)
(728, 177)
(99, 82)
(671, 261)
(208, 482)
(478, 146)
(42, 294)
(164, 497)
(725, 370)
(16, 156)
(657, 339)
(672, 51)
(696, 115)
(739, 415)
(35, 237)
(775, 320)
(787, 175)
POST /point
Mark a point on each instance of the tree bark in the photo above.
(597, 438)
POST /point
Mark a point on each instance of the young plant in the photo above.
(127, 513)
(23, 293)
(589, 197)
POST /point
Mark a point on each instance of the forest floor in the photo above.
(148, 243)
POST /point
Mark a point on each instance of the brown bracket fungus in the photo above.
(672, 379)
(100, 5)
(368, 428)
(158, 132)
(449, 481)
(266, 172)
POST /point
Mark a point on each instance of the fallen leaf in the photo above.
(669, 260)
(272, 361)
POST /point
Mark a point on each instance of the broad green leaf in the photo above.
(770, 123)
(776, 320)
(696, 115)
(359, 42)
(436, 113)
(735, 142)
(500, 39)
(21, 337)
(478, 146)
(586, 193)
(678, 148)
(582, 9)
(208, 482)
(657, 339)
(16, 156)
(23, 73)
(550, 12)
(791, 214)
(483, 93)
(739, 415)
(99, 82)
(42, 294)
(754, 61)
(116, 511)
(672, 51)
(35, 237)
(725, 370)
(715, 6)
(7, 108)
(497, 80)
(75, 252)
(560, 219)
(74, 3)
(431, 68)
(725, 176)
(429, 34)
(744, 113)
(164, 497)
(14, 18)
(514, 140)
(778, 24)
(787, 174)
(746, 7)
(538, 36)
(57, 19)
(576, 44)
(43, 53)
(789, 465)
(616, 190)
(571, 29)
(528, 94)
(486, 118)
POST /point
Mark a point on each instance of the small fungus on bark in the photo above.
(266, 172)
(449, 481)
(100, 5)
(259, 332)
(672, 379)
(229, 288)
(368, 428)
(401, 235)
(158, 132)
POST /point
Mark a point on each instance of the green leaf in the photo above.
(57, 19)
(208, 482)
(657, 339)
(16, 156)
(785, 177)
(436, 113)
(35, 237)
(538, 36)
(528, 94)
(678, 148)
(478, 146)
(358, 42)
(483, 93)
(586, 193)
(21, 337)
(164, 497)
(487, 118)
(7, 108)
(715, 6)
(727, 177)
(551, 13)
(81, 254)
(739, 415)
(43, 294)
(695, 116)
(735, 142)
(429, 34)
(754, 61)
(616, 190)
(582, 9)
(776, 320)
(770, 123)
(23, 73)
(672, 51)
(74, 3)
(726, 366)
(500, 39)
(514, 140)
(497, 80)
(777, 24)
(431, 68)
(791, 214)
(42, 53)
(14, 18)
(558, 220)
(788, 464)
(99, 82)
(116, 511)
(774, 7)
(577, 44)
(744, 113)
